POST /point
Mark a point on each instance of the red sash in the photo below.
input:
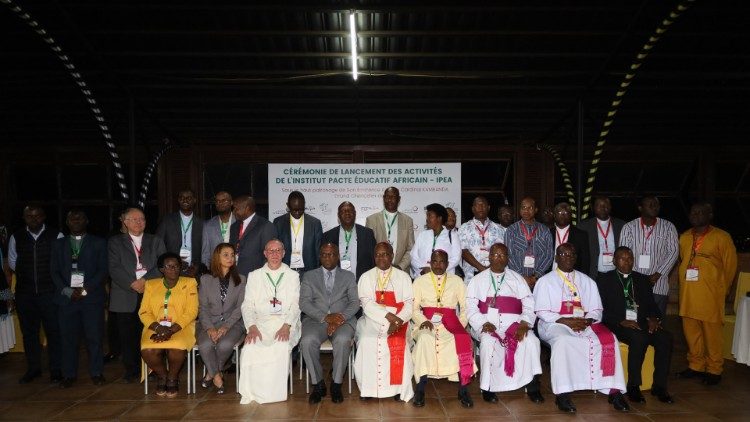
(506, 305)
(462, 340)
(606, 339)
(397, 340)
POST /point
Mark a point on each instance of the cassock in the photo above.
(586, 360)
(447, 349)
(265, 364)
(383, 366)
(504, 300)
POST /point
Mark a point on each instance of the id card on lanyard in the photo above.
(607, 256)
(691, 274)
(529, 260)
(140, 271)
(644, 259)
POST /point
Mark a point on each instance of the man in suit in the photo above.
(395, 228)
(300, 233)
(630, 312)
(132, 261)
(249, 233)
(329, 302)
(356, 243)
(182, 232)
(604, 236)
(79, 268)
(216, 230)
(564, 232)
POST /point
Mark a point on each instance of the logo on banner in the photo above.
(324, 208)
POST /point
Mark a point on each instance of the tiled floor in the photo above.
(729, 401)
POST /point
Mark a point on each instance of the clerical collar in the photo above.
(78, 236)
(623, 274)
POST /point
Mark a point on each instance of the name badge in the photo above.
(608, 258)
(644, 261)
(276, 307)
(631, 315)
(165, 322)
(692, 274)
(296, 260)
(529, 261)
(578, 312)
(185, 254)
(140, 273)
(76, 279)
(346, 265)
(437, 318)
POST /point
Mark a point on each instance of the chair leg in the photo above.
(144, 371)
(291, 375)
(350, 373)
(237, 367)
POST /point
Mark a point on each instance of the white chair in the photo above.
(327, 346)
(192, 362)
(144, 374)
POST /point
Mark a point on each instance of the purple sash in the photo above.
(505, 305)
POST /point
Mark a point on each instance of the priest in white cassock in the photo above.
(501, 313)
(585, 354)
(442, 347)
(272, 318)
(383, 366)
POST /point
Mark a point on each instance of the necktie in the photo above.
(242, 229)
(329, 282)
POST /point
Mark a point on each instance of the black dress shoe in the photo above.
(489, 396)
(336, 395)
(634, 394)
(364, 398)
(98, 379)
(662, 395)
(110, 357)
(29, 376)
(618, 402)
(690, 373)
(564, 403)
(55, 377)
(67, 382)
(319, 391)
(535, 396)
(418, 399)
(314, 397)
(711, 379)
(465, 399)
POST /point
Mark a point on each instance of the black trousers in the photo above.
(638, 341)
(113, 336)
(35, 311)
(87, 319)
(130, 329)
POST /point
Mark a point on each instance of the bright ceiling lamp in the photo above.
(353, 36)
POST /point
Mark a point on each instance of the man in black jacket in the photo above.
(632, 315)
(182, 233)
(564, 232)
(356, 242)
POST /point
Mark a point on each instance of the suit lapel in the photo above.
(401, 235)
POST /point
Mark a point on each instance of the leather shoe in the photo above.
(319, 391)
(690, 373)
(662, 395)
(634, 394)
(55, 377)
(465, 399)
(110, 357)
(535, 396)
(418, 399)
(618, 402)
(67, 382)
(564, 403)
(314, 397)
(29, 376)
(336, 395)
(489, 396)
(711, 379)
(98, 379)
(364, 398)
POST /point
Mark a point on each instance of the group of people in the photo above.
(419, 308)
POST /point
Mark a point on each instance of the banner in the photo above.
(325, 186)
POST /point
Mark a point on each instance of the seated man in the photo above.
(383, 366)
(271, 315)
(443, 347)
(329, 301)
(501, 313)
(569, 309)
(630, 312)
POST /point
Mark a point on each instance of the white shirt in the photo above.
(561, 235)
(296, 260)
(607, 247)
(393, 238)
(187, 235)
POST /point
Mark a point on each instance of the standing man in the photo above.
(271, 315)
(216, 230)
(355, 243)
(79, 269)
(383, 366)
(707, 268)
(654, 243)
(564, 232)
(249, 233)
(632, 315)
(329, 301)
(301, 234)
(530, 245)
(132, 260)
(182, 233)
(477, 236)
(394, 227)
(29, 253)
(505, 216)
(604, 235)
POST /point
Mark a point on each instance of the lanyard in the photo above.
(383, 283)
(435, 238)
(167, 295)
(137, 253)
(697, 243)
(564, 238)
(497, 286)
(572, 287)
(482, 232)
(347, 239)
(185, 229)
(295, 230)
(438, 289)
(647, 236)
(223, 227)
(604, 234)
(275, 284)
(529, 237)
(75, 247)
(389, 224)
(626, 285)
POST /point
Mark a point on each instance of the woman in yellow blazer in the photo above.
(168, 312)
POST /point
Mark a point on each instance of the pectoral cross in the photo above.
(275, 302)
(569, 306)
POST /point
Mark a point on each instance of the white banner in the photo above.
(325, 186)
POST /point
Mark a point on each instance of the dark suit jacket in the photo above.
(313, 233)
(122, 262)
(589, 226)
(365, 246)
(170, 230)
(92, 261)
(613, 299)
(315, 303)
(250, 247)
(580, 240)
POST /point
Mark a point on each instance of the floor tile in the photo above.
(36, 411)
(221, 409)
(94, 411)
(168, 410)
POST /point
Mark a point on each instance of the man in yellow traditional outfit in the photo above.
(443, 346)
(707, 267)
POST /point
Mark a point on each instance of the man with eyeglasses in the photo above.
(477, 236)
(564, 232)
(271, 314)
(392, 226)
(501, 313)
(585, 354)
(530, 245)
(132, 260)
(182, 233)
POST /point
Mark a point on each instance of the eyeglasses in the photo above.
(566, 254)
(136, 220)
(499, 255)
(274, 251)
(562, 212)
(172, 267)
